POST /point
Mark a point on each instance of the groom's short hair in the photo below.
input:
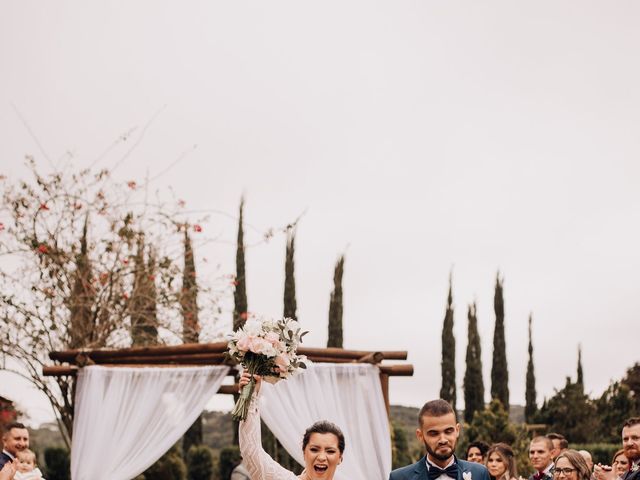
(435, 408)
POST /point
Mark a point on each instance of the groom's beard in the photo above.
(442, 456)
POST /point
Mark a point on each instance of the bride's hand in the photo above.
(246, 377)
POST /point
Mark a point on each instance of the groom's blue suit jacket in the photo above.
(418, 471)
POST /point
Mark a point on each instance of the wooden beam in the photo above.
(60, 371)
(193, 359)
(229, 389)
(210, 348)
(202, 359)
(397, 370)
(373, 357)
(333, 352)
(187, 348)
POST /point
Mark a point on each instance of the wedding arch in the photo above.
(132, 404)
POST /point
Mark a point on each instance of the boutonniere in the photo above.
(635, 467)
(466, 475)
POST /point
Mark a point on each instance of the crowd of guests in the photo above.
(552, 459)
(323, 447)
(17, 462)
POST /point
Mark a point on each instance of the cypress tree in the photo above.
(190, 328)
(499, 371)
(580, 378)
(83, 296)
(271, 444)
(189, 295)
(240, 308)
(531, 407)
(335, 307)
(142, 305)
(473, 382)
(448, 364)
(290, 305)
(240, 304)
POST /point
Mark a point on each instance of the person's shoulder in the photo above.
(474, 468)
(406, 471)
(632, 475)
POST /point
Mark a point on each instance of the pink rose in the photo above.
(245, 344)
(263, 347)
(283, 361)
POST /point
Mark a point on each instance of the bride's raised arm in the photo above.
(258, 462)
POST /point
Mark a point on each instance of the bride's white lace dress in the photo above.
(260, 465)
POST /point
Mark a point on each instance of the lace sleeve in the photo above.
(260, 465)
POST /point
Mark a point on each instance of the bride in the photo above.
(322, 447)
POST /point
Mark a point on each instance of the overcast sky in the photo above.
(417, 137)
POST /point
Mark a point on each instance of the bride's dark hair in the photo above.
(324, 426)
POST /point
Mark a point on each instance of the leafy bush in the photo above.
(229, 458)
(600, 452)
(199, 463)
(57, 464)
(169, 467)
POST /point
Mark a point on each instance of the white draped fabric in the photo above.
(348, 395)
(126, 418)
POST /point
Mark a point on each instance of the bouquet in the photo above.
(268, 348)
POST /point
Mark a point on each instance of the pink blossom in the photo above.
(273, 338)
(283, 361)
(262, 347)
(245, 344)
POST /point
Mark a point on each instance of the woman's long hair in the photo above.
(508, 458)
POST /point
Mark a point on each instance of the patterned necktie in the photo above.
(450, 471)
(538, 475)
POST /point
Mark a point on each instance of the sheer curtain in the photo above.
(348, 395)
(126, 418)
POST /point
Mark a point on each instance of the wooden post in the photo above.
(384, 383)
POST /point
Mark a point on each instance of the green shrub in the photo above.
(400, 447)
(199, 463)
(57, 464)
(600, 452)
(169, 467)
(229, 458)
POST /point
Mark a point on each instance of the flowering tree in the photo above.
(78, 271)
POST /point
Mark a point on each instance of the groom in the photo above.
(439, 433)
